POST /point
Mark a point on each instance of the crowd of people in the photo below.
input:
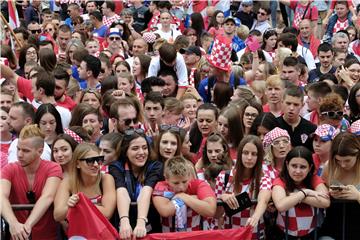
(173, 116)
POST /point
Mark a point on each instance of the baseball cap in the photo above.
(246, 2)
(114, 31)
(234, 20)
(192, 49)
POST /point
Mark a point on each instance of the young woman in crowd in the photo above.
(263, 124)
(246, 176)
(229, 125)
(216, 23)
(248, 113)
(135, 177)
(72, 46)
(28, 53)
(93, 123)
(216, 151)
(323, 136)
(190, 106)
(5, 136)
(85, 177)
(277, 145)
(342, 176)
(50, 29)
(49, 122)
(298, 189)
(197, 23)
(62, 151)
(91, 97)
(191, 35)
(206, 123)
(140, 67)
(168, 143)
(110, 145)
(121, 67)
(349, 73)
(269, 43)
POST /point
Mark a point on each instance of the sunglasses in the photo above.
(130, 132)
(114, 38)
(35, 31)
(128, 121)
(333, 114)
(261, 13)
(170, 128)
(48, 30)
(90, 161)
(31, 197)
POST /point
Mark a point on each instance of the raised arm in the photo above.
(17, 229)
(9, 74)
(108, 201)
(43, 203)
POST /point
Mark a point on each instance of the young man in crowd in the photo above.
(325, 55)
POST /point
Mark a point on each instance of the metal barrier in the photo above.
(19, 207)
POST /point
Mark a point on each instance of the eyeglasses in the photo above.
(250, 115)
(114, 38)
(333, 114)
(90, 161)
(171, 128)
(261, 13)
(31, 53)
(31, 197)
(120, 21)
(35, 31)
(130, 132)
(128, 121)
(278, 143)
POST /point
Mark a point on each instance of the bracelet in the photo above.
(303, 193)
(143, 218)
(124, 217)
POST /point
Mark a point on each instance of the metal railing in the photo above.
(5, 234)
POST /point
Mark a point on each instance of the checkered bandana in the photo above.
(220, 56)
(271, 136)
(355, 128)
(326, 132)
(149, 37)
(72, 134)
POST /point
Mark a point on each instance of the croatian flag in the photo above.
(200, 6)
(13, 15)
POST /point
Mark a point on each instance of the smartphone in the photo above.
(336, 188)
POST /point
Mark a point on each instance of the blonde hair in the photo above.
(173, 105)
(274, 81)
(281, 54)
(177, 166)
(80, 152)
(33, 131)
(130, 78)
(242, 32)
(259, 87)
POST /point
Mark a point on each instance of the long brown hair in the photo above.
(256, 171)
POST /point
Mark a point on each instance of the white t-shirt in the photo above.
(65, 113)
(169, 36)
(180, 69)
(46, 155)
(307, 55)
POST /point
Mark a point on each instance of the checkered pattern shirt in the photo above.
(340, 25)
(270, 171)
(239, 220)
(193, 222)
(108, 21)
(302, 219)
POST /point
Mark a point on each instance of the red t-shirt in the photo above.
(299, 11)
(196, 187)
(24, 87)
(14, 172)
(67, 103)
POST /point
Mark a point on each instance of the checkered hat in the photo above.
(72, 134)
(271, 136)
(220, 56)
(326, 132)
(149, 37)
(355, 128)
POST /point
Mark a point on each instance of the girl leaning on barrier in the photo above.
(296, 194)
(342, 175)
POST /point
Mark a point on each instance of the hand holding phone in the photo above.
(336, 188)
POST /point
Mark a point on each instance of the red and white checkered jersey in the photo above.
(239, 220)
(193, 222)
(302, 219)
(340, 25)
(108, 21)
(270, 171)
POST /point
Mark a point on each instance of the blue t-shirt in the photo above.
(101, 32)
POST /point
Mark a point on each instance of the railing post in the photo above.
(343, 220)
